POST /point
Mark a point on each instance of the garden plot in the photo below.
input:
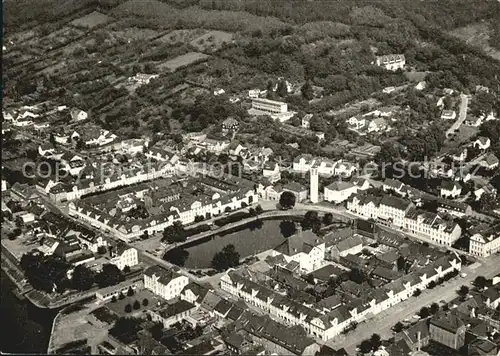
(182, 61)
(184, 36)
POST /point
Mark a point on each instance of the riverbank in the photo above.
(29, 327)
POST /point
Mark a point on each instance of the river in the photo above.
(25, 328)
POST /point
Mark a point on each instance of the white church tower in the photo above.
(314, 185)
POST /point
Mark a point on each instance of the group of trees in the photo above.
(50, 273)
(227, 258)
(287, 200)
(312, 221)
(174, 233)
(136, 305)
(46, 273)
(371, 344)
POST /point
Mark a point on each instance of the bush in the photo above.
(113, 299)
(137, 305)
(126, 269)
(121, 296)
(145, 302)
(128, 308)
(130, 292)
(417, 292)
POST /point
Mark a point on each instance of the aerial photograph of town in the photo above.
(250, 177)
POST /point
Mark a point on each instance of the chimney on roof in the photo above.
(418, 340)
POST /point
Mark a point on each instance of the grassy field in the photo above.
(91, 20)
(184, 60)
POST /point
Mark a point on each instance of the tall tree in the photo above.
(83, 278)
(307, 91)
(287, 200)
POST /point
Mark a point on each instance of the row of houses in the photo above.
(325, 325)
(243, 331)
(326, 167)
(183, 208)
(403, 214)
(106, 180)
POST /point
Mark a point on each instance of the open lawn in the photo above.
(91, 20)
(118, 307)
(184, 60)
(212, 40)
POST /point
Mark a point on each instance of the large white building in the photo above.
(271, 106)
(165, 283)
(305, 248)
(122, 256)
(402, 214)
(338, 192)
(391, 61)
(486, 243)
(433, 226)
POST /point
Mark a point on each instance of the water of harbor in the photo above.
(25, 328)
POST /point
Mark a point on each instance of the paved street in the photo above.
(382, 323)
(464, 102)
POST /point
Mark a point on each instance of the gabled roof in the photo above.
(395, 202)
(447, 321)
(223, 306)
(410, 335)
(164, 275)
(392, 183)
(303, 241)
(295, 187)
(198, 289)
(449, 185)
(349, 243)
(339, 186)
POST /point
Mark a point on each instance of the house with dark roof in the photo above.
(324, 273)
(447, 329)
(297, 189)
(350, 246)
(385, 274)
(416, 336)
(450, 189)
(458, 209)
(170, 314)
(210, 301)
(489, 162)
(194, 293)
